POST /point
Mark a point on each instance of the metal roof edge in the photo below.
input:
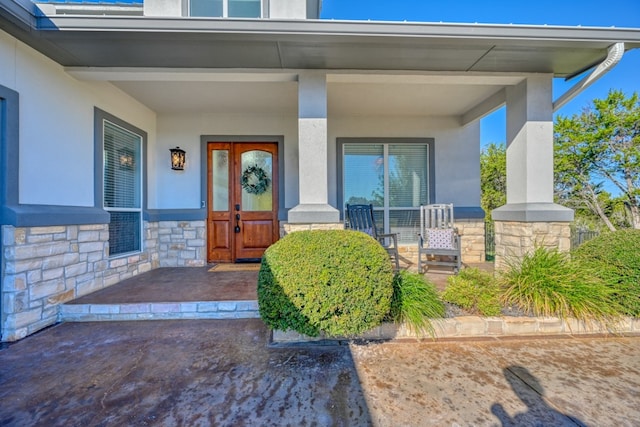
(24, 13)
(21, 13)
(337, 28)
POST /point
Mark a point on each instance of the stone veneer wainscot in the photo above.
(44, 267)
(515, 238)
(181, 243)
(471, 232)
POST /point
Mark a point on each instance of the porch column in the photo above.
(314, 205)
(530, 217)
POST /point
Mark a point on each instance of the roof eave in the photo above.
(630, 36)
(59, 36)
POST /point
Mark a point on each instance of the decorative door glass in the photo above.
(220, 180)
(257, 181)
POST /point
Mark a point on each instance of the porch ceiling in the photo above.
(180, 97)
(372, 99)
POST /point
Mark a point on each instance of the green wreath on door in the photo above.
(255, 180)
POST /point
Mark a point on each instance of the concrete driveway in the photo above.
(222, 373)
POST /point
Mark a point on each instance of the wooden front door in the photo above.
(242, 200)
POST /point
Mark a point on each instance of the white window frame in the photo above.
(386, 142)
(139, 210)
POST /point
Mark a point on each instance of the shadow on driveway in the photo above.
(189, 373)
(223, 373)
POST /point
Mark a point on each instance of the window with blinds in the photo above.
(123, 188)
(394, 178)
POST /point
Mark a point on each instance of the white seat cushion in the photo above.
(440, 238)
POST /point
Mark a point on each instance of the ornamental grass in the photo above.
(474, 290)
(415, 301)
(546, 282)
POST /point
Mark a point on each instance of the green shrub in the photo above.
(338, 282)
(474, 290)
(615, 258)
(414, 302)
(547, 282)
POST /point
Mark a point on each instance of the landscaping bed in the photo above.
(326, 289)
(476, 327)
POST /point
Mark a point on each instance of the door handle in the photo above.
(236, 229)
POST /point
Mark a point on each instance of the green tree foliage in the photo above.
(597, 149)
(493, 177)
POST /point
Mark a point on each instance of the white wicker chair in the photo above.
(438, 238)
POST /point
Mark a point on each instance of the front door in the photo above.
(242, 200)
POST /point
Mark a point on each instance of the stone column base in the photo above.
(516, 238)
(472, 239)
(287, 228)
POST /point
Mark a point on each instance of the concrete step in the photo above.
(159, 311)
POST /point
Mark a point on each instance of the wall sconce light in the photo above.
(178, 157)
(126, 159)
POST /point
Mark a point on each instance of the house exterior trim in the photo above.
(156, 215)
(9, 151)
(533, 212)
(468, 212)
(261, 27)
(52, 215)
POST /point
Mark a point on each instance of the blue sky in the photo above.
(601, 13)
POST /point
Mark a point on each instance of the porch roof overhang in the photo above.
(185, 42)
(188, 64)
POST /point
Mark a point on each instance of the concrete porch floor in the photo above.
(186, 284)
(178, 284)
(170, 293)
(184, 293)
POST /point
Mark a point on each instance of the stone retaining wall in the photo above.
(482, 327)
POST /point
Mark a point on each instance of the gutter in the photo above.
(20, 13)
(614, 55)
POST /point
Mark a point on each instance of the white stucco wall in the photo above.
(181, 189)
(457, 151)
(56, 125)
(288, 9)
(162, 8)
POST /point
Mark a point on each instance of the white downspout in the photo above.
(614, 56)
